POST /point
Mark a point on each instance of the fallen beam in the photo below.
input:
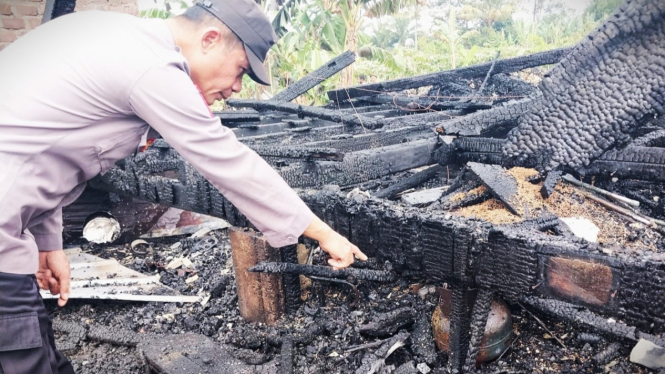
(355, 119)
(324, 271)
(500, 184)
(312, 79)
(229, 117)
(363, 166)
(503, 66)
(422, 103)
(498, 120)
(330, 154)
(409, 182)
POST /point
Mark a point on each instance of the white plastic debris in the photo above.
(648, 354)
(192, 279)
(176, 263)
(101, 230)
(582, 228)
(423, 368)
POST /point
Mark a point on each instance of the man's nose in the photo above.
(237, 85)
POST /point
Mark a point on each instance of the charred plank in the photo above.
(422, 103)
(409, 182)
(475, 71)
(355, 119)
(312, 79)
(324, 271)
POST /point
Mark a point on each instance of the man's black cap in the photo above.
(247, 20)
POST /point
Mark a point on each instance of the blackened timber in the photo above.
(299, 152)
(373, 140)
(309, 111)
(502, 185)
(644, 163)
(497, 120)
(228, 117)
(504, 66)
(312, 79)
(363, 166)
(409, 182)
(324, 271)
(422, 103)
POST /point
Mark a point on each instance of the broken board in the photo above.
(498, 182)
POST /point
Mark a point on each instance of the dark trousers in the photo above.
(27, 344)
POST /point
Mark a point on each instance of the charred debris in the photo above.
(470, 183)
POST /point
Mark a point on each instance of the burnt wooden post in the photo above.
(261, 296)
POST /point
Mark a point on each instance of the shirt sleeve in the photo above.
(169, 102)
(48, 233)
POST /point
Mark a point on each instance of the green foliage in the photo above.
(600, 9)
(164, 13)
(464, 32)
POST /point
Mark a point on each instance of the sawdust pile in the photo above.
(474, 192)
(566, 201)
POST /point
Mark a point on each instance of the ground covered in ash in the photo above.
(327, 331)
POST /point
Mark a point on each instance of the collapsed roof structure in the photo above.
(597, 114)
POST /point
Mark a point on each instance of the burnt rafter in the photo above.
(356, 119)
(476, 71)
(314, 78)
(581, 115)
(422, 103)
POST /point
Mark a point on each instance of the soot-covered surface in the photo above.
(322, 331)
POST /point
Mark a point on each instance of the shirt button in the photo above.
(291, 238)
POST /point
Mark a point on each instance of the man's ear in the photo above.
(210, 38)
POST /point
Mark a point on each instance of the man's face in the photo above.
(219, 69)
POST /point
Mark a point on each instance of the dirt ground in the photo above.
(326, 312)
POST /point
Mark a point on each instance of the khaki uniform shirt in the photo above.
(77, 94)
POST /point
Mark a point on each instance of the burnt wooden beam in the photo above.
(304, 153)
(503, 66)
(350, 143)
(500, 184)
(422, 103)
(487, 122)
(644, 163)
(229, 117)
(312, 79)
(362, 166)
(324, 271)
(408, 182)
(355, 119)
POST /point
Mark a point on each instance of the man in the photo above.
(79, 93)
(373, 79)
(362, 79)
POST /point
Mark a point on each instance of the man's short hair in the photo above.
(202, 18)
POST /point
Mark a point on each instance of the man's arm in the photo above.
(167, 100)
(48, 232)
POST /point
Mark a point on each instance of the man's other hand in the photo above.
(340, 249)
(54, 274)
